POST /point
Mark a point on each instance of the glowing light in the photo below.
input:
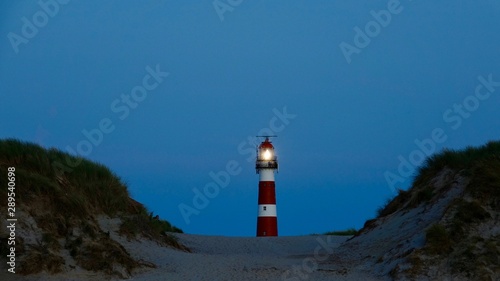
(267, 155)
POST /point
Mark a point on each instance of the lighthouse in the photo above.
(265, 165)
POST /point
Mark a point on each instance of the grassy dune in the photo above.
(65, 201)
(465, 241)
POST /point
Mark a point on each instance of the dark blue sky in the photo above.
(67, 68)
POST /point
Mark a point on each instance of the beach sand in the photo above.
(212, 258)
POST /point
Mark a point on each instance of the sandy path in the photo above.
(246, 258)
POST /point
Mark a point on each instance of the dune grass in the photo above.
(457, 160)
(480, 164)
(347, 232)
(89, 188)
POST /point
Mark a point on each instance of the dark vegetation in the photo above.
(65, 206)
(147, 226)
(437, 240)
(347, 232)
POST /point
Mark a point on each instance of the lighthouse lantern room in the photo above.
(266, 164)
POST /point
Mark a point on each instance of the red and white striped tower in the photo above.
(266, 164)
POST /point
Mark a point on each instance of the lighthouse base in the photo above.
(267, 226)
